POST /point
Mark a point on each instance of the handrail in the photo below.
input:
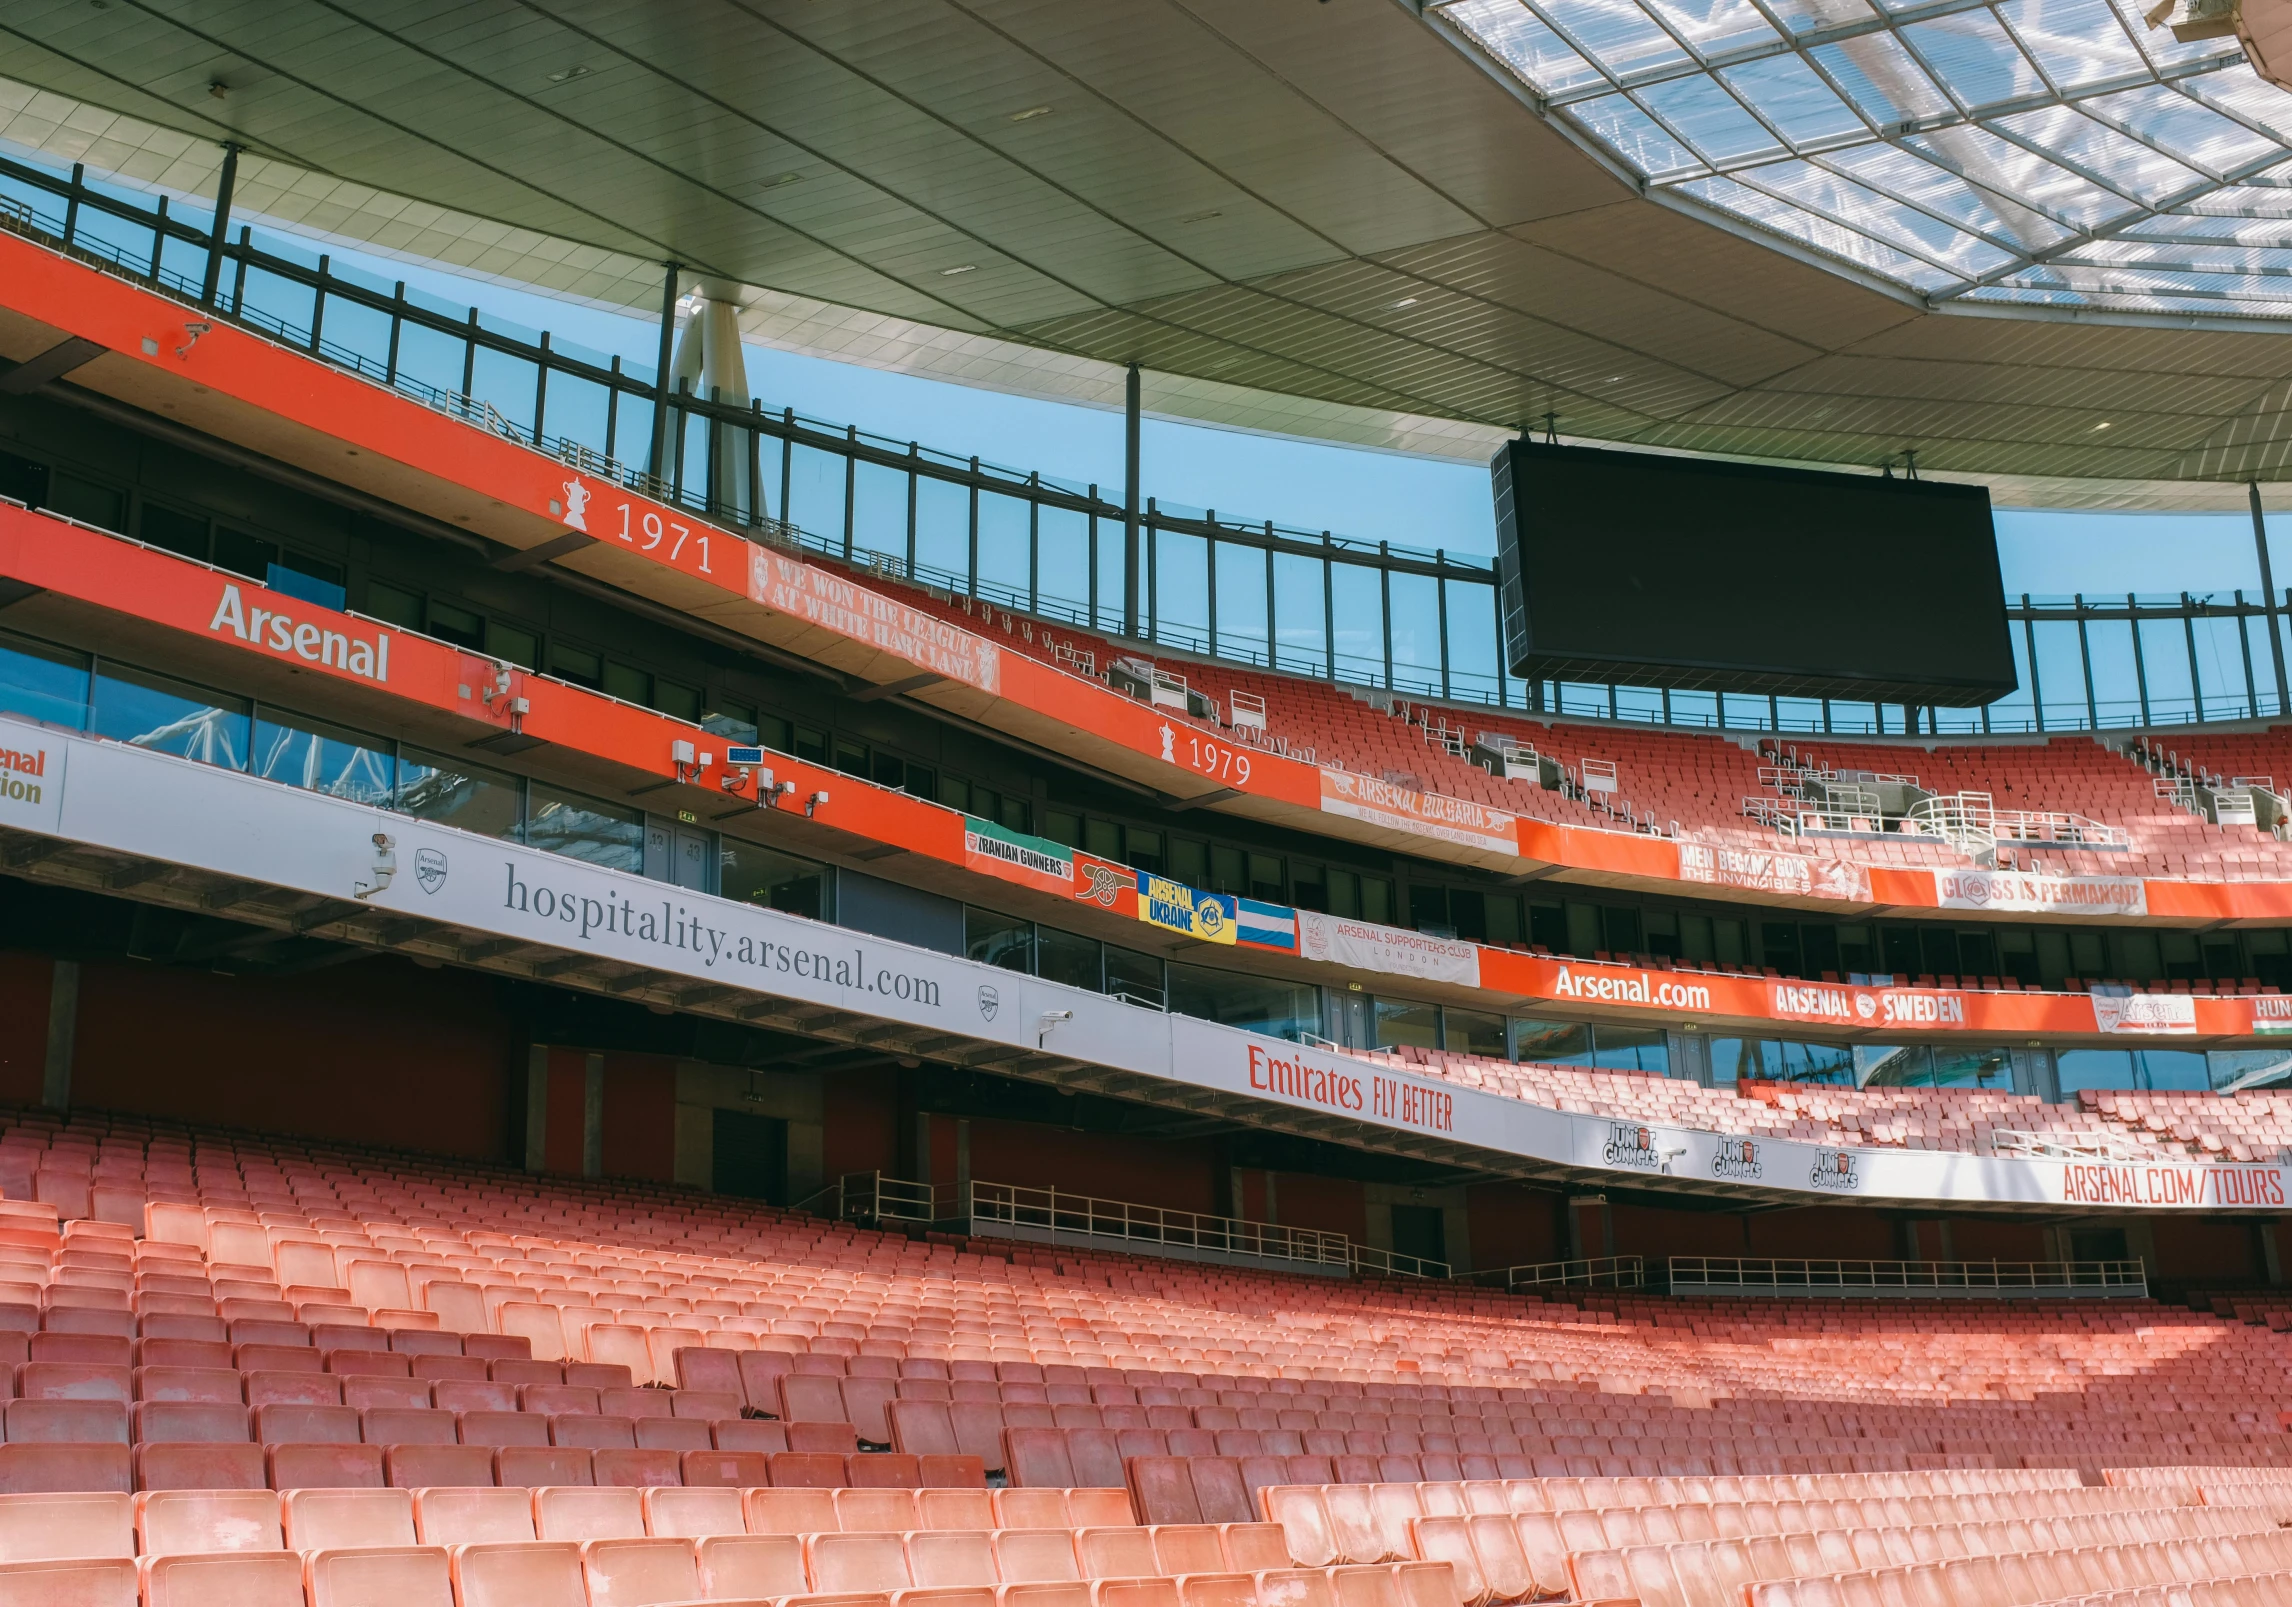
(1768, 1275)
(1598, 1272)
(1058, 1215)
(1368, 1259)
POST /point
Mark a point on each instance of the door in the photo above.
(1420, 1231)
(749, 1156)
(691, 867)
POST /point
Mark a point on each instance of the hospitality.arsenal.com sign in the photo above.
(173, 811)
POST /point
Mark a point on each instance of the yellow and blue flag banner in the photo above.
(1172, 905)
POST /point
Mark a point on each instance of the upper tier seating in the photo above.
(1698, 783)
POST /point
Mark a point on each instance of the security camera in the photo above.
(385, 866)
(814, 802)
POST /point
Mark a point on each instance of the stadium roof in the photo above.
(2032, 240)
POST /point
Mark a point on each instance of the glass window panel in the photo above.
(2061, 671)
(322, 757)
(2192, 131)
(1000, 940)
(1618, 35)
(1912, 178)
(1793, 97)
(943, 532)
(1241, 602)
(2077, 42)
(576, 410)
(879, 511)
(1552, 1043)
(1472, 655)
(432, 359)
(2094, 1068)
(2221, 653)
(1517, 37)
(755, 874)
(587, 829)
(1732, 1060)
(1787, 217)
(1133, 977)
(1974, 1068)
(1065, 957)
(504, 383)
(1260, 1004)
(1003, 543)
(170, 716)
(2235, 1070)
(2123, 163)
(1113, 572)
(1701, 112)
(2006, 168)
(1631, 1049)
(1883, 80)
(1181, 594)
(1416, 634)
(1975, 59)
(1358, 602)
(2175, 1070)
(1473, 1032)
(1401, 1023)
(815, 490)
(1890, 222)
(1642, 142)
(455, 792)
(1063, 560)
(44, 683)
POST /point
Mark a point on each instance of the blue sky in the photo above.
(1376, 496)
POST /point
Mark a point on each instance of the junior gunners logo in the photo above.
(1738, 1158)
(1836, 1171)
(1631, 1146)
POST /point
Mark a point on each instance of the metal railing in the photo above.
(1032, 543)
(1601, 1272)
(1991, 1280)
(2024, 1145)
(1055, 1217)
(1369, 1261)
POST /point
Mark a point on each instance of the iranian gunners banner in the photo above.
(1013, 856)
(1422, 814)
(790, 586)
(2026, 892)
(1766, 871)
(1366, 946)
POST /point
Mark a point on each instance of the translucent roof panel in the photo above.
(2059, 153)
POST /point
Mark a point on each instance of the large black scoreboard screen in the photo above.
(1687, 573)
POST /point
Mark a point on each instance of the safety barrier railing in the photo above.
(1598, 1272)
(2002, 1280)
(2066, 1146)
(1056, 1216)
(1369, 1261)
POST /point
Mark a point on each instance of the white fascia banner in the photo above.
(158, 807)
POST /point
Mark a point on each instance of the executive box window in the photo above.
(1736, 1060)
(754, 874)
(589, 829)
(733, 721)
(994, 939)
(1631, 1049)
(455, 792)
(2131, 1069)
(321, 757)
(1403, 1024)
(2235, 1070)
(1472, 1032)
(170, 716)
(1133, 977)
(44, 683)
(1068, 958)
(1260, 1004)
(1552, 1043)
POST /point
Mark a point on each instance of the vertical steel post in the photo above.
(220, 234)
(1130, 503)
(667, 358)
(2268, 596)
